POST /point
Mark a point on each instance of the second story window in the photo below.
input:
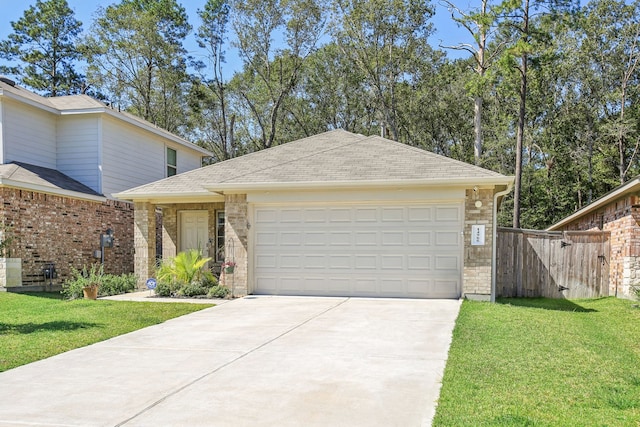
(172, 162)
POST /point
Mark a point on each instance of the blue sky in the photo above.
(11, 10)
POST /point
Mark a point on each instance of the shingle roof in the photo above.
(30, 176)
(331, 158)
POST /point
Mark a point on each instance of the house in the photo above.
(333, 214)
(61, 161)
(617, 212)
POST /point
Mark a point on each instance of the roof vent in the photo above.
(7, 81)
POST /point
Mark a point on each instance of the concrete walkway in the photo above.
(256, 361)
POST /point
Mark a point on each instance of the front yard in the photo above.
(539, 362)
(40, 325)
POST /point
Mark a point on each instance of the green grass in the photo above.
(541, 362)
(39, 325)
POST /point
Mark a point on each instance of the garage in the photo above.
(408, 250)
(334, 214)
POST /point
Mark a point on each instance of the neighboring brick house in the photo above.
(61, 161)
(619, 213)
(335, 214)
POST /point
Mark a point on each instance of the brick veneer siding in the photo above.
(66, 231)
(477, 259)
(621, 217)
(144, 241)
(236, 231)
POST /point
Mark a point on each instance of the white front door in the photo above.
(194, 231)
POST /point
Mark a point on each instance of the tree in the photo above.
(481, 24)
(209, 96)
(611, 48)
(271, 73)
(135, 54)
(44, 44)
(386, 40)
(520, 27)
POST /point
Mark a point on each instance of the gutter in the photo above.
(495, 238)
(310, 185)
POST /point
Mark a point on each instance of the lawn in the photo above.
(541, 362)
(39, 325)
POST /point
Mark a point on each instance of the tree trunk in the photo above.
(519, 140)
(477, 129)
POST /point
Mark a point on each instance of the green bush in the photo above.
(185, 268)
(192, 290)
(164, 289)
(108, 284)
(186, 276)
(218, 291)
(117, 284)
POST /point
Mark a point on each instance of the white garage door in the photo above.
(412, 251)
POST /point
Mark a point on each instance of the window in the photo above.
(220, 236)
(172, 162)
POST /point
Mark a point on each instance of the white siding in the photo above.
(29, 135)
(130, 157)
(78, 138)
(187, 160)
(133, 157)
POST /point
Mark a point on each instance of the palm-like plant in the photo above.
(185, 268)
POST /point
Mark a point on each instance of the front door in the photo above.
(194, 231)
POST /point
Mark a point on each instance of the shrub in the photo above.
(114, 284)
(164, 289)
(72, 288)
(218, 291)
(184, 268)
(192, 290)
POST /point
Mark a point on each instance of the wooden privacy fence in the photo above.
(552, 264)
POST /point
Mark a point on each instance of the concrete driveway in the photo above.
(256, 361)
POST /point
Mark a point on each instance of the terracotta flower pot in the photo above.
(90, 292)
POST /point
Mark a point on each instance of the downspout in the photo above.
(495, 238)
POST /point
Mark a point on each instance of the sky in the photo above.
(447, 33)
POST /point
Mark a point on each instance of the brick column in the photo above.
(145, 241)
(477, 259)
(236, 231)
(169, 232)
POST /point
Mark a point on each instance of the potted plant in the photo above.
(85, 283)
(229, 267)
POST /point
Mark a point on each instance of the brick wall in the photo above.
(477, 259)
(620, 217)
(66, 231)
(236, 231)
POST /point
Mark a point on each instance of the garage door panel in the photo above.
(392, 262)
(419, 262)
(393, 238)
(340, 215)
(366, 238)
(420, 238)
(361, 250)
(450, 263)
(420, 214)
(448, 238)
(267, 239)
(340, 238)
(393, 215)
